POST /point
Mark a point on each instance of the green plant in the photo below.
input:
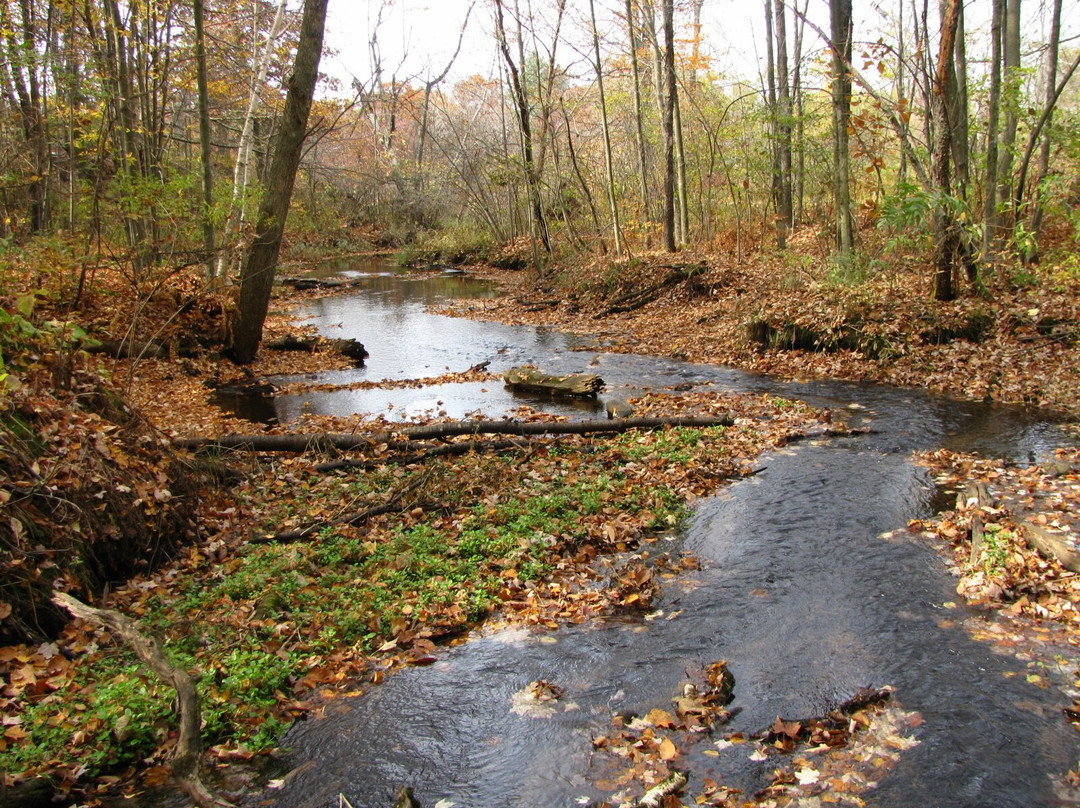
(995, 549)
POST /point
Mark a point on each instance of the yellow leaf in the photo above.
(668, 750)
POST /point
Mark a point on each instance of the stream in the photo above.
(799, 592)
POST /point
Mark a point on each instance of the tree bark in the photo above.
(257, 277)
(993, 117)
(521, 104)
(840, 12)
(1012, 79)
(529, 378)
(639, 116)
(1052, 50)
(783, 118)
(204, 137)
(946, 231)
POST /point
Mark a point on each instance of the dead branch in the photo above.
(342, 442)
(187, 754)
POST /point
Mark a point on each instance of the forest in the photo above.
(884, 197)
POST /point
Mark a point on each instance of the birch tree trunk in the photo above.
(242, 168)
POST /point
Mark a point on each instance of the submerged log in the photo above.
(328, 440)
(1052, 545)
(354, 349)
(527, 377)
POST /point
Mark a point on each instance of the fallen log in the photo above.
(325, 441)
(126, 349)
(527, 377)
(354, 349)
(1052, 545)
(186, 758)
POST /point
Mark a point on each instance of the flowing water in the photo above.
(799, 593)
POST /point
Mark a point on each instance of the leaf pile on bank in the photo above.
(1016, 342)
(1007, 571)
(542, 532)
(90, 493)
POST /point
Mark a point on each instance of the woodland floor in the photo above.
(1016, 343)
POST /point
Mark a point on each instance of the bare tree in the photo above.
(514, 71)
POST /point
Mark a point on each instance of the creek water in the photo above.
(799, 592)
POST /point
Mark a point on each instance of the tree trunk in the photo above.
(204, 137)
(257, 277)
(344, 442)
(946, 232)
(840, 12)
(993, 115)
(1012, 81)
(639, 116)
(783, 117)
(669, 125)
(521, 101)
(608, 166)
(1052, 49)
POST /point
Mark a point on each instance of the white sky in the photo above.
(418, 37)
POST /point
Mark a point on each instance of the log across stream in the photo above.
(800, 593)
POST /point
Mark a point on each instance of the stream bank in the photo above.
(808, 592)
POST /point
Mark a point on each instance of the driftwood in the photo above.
(343, 442)
(527, 377)
(1052, 545)
(187, 754)
(322, 283)
(351, 348)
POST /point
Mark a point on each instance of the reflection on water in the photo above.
(800, 594)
